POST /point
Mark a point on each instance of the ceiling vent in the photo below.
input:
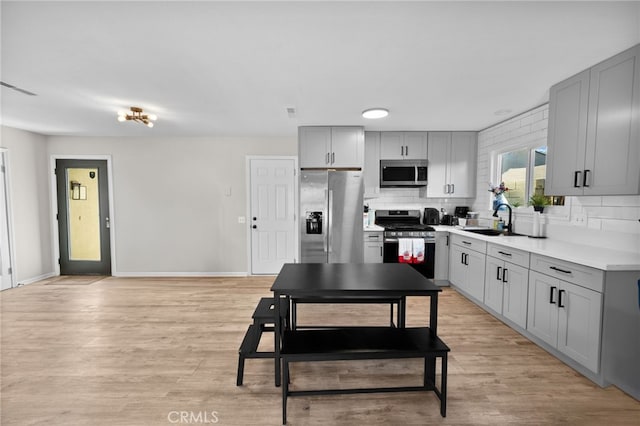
(10, 86)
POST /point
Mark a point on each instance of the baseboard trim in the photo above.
(179, 274)
(36, 279)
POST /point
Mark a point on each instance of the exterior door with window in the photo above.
(272, 220)
(83, 217)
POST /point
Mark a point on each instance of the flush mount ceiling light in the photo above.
(136, 114)
(375, 113)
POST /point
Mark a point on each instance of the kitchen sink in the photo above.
(488, 231)
(485, 231)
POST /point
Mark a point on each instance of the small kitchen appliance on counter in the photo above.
(461, 211)
(431, 216)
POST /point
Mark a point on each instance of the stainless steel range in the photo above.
(402, 229)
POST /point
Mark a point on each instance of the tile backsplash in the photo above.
(603, 221)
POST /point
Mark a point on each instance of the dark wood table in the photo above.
(351, 280)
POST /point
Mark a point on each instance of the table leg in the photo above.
(277, 337)
(430, 363)
(433, 315)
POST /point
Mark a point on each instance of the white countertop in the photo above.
(373, 228)
(595, 257)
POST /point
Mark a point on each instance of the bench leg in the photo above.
(285, 389)
(240, 369)
(443, 387)
(294, 314)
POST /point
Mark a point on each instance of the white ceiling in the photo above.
(232, 68)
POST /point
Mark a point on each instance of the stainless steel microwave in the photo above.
(403, 173)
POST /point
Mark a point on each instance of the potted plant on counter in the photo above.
(539, 201)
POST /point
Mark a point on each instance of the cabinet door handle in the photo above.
(576, 178)
(406, 150)
(505, 254)
(498, 276)
(401, 151)
(560, 305)
(448, 246)
(564, 271)
(328, 158)
(380, 251)
(462, 258)
(333, 157)
(585, 182)
(453, 188)
(466, 259)
(551, 291)
(504, 275)
(466, 242)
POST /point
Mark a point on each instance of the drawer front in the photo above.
(518, 257)
(373, 237)
(578, 274)
(469, 243)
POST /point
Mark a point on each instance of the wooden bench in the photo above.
(361, 343)
(263, 320)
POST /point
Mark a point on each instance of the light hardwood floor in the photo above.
(138, 351)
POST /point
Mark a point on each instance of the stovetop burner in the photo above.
(407, 227)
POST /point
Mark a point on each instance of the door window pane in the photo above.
(84, 214)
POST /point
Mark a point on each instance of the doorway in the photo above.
(272, 218)
(6, 258)
(83, 217)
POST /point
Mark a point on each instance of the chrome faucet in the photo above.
(495, 214)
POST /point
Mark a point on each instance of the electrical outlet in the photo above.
(579, 219)
(242, 219)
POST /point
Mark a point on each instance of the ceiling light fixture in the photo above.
(373, 113)
(137, 115)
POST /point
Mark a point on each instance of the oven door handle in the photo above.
(390, 240)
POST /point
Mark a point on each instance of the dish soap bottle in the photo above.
(501, 224)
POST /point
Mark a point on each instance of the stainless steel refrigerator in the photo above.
(331, 209)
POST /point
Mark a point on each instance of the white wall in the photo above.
(29, 192)
(171, 212)
(609, 221)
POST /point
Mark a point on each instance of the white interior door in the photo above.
(272, 214)
(6, 273)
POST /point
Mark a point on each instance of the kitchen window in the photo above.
(523, 171)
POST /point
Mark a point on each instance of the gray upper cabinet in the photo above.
(452, 164)
(326, 146)
(403, 145)
(371, 164)
(594, 129)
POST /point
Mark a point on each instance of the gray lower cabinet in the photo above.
(441, 263)
(373, 247)
(506, 288)
(565, 315)
(467, 265)
(594, 128)
(588, 318)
